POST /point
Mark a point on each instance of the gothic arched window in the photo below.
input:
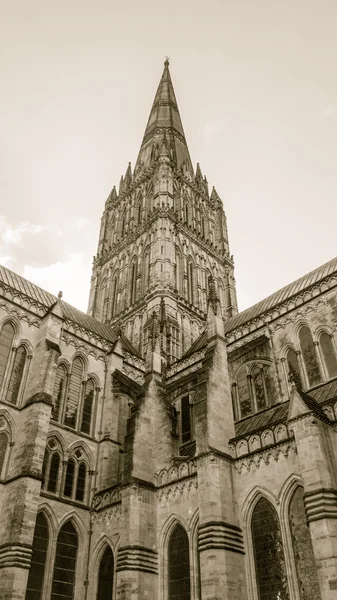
(74, 394)
(303, 550)
(16, 375)
(6, 341)
(293, 366)
(58, 391)
(65, 563)
(259, 388)
(186, 420)
(179, 583)
(81, 480)
(54, 469)
(38, 562)
(270, 566)
(4, 441)
(69, 480)
(106, 576)
(133, 289)
(88, 403)
(114, 295)
(329, 354)
(309, 356)
(243, 391)
(190, 282)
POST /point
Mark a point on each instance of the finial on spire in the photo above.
(167, 61)
(59, 295)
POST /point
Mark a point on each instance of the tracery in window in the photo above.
(6, 341)
(271, 576)
(294, 367)
(38, 562)
(74, 393)
(303, 551)
(106, 575)
(65, 563)
(179, 584)
(173, 343)
(309, 356)
(58, 391)
(329, 354)
(88, 402)
(16, 375)
(258, 383)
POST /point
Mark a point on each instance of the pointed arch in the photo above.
(74, 391)
(106, 574)
(270, 567)
(309, 356)
(179, 578)
(41, 541)
(63, 583)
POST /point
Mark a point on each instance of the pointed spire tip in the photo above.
(167, 61)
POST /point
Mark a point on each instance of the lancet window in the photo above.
(59, 391)
(74, 392)
(5, 438)
(252, 390)
(309, 356)
(106, 575)
(52, 466)
(13, 365)
(179, 582)
(88, 406)
(36, 575)
(75, 477)
(271, 576)
(294, 367)
(63, 583)
(329, 354)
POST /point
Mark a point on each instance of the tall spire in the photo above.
(164, 124)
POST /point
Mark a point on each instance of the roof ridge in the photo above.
(281, 295)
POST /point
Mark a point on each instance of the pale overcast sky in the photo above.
(256, 87)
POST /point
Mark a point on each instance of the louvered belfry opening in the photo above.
(270, 566)
(39, 556)
(179, 584)
(106, 575)
(65, 564)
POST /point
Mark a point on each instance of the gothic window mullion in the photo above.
(319, 360)
(8, 371)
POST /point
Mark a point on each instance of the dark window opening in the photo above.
(105, 576)
(39, 556)
(80, 485)
(186, 432)
(179, 584)
(6, 341)
(65, 564)
(53, 472)
(69, 481)
(16, 375)
(88, 406)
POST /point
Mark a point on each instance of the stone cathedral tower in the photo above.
(155, 449)
(163, 239)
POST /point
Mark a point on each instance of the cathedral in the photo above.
(164, 445)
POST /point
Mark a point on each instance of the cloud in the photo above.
(12, 236)
(60, 276)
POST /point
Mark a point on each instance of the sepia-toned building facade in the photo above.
(164, 445)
